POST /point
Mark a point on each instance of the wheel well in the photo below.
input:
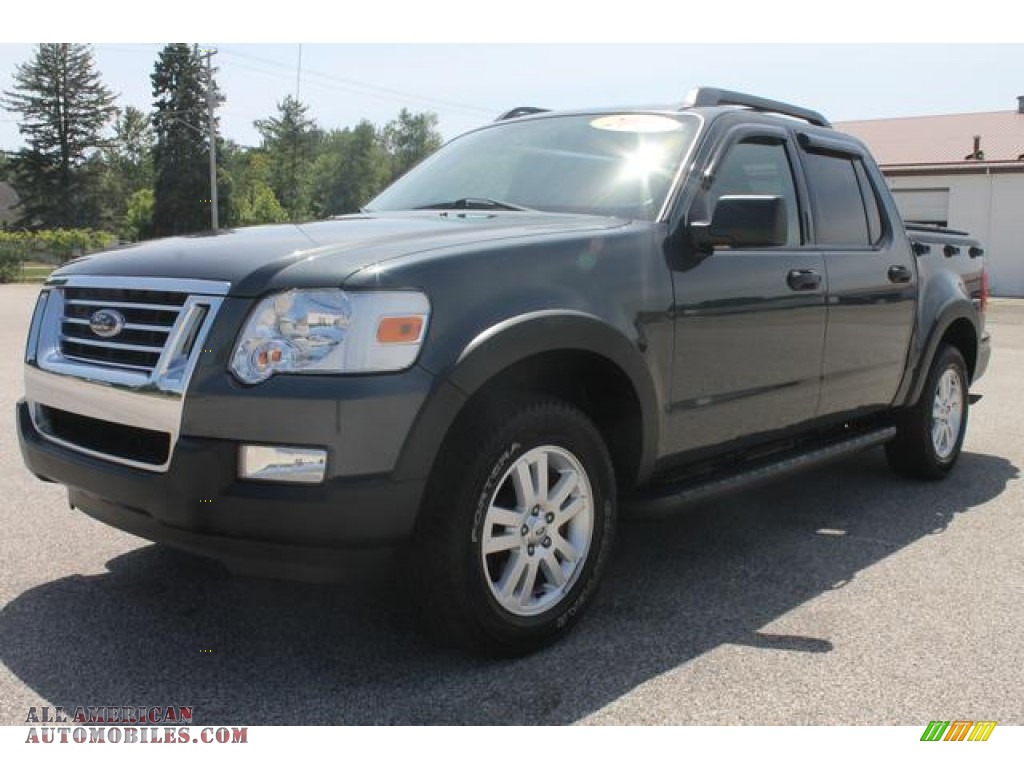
(961, 334)
(590, 382)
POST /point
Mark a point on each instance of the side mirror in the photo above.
(743, 221)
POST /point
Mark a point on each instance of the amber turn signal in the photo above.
(400, 330)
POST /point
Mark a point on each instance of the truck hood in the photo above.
(257, 259)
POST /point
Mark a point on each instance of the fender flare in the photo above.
(513, 340)
(953, 310)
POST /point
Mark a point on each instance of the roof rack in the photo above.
(716, 97)
(519, 112)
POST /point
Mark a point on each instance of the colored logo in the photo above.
(958, 730)
(106, 323)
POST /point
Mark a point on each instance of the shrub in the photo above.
(53, 246)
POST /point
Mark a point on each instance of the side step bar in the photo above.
(666, 499)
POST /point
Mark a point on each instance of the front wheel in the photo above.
(516, 528)
(931, 433)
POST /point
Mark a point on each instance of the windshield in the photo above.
(608, 165)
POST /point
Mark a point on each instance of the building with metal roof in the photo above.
(964, 171)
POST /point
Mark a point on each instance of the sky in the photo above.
(468, 84)
(470, 61)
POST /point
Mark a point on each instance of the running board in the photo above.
(666, 499)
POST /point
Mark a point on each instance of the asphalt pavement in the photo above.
(841, 596)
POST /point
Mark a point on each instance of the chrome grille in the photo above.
(118, 397)
(149, 318)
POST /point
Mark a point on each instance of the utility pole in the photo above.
(211, 106)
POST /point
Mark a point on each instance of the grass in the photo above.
(35, 272)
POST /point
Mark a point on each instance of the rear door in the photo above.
(872, 279)
(749, 322)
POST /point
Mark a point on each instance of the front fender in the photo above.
(513, 340)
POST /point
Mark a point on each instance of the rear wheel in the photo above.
(931, 433)
(516, 528)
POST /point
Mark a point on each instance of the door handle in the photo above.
(803, 280)
(900, 274)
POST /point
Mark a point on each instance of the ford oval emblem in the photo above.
(106, 323)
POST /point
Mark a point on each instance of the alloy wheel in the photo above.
(537, 531)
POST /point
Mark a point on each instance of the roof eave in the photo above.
(914, 169)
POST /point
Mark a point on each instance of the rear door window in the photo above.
(846, 212)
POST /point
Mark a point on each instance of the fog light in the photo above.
(282, 464)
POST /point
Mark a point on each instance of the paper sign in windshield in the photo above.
(636, 123)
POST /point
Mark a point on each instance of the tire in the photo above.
(502, 564)
(931, 434)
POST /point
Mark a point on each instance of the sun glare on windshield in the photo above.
(642, 163)
(603, 165)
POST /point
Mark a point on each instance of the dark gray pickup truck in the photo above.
(555, 316)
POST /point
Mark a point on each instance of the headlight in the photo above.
(330, 331)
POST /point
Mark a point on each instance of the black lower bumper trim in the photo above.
(200, 505)
(260, 558)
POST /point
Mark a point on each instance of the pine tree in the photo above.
(64, 108)
(181, 192)
(127, 167)
(130, 153)
(290, 140)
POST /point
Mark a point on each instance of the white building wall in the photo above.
(990, 207)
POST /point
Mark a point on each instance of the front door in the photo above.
(750, 322)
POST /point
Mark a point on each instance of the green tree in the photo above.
(130, 153)
(252, 200)
(290, 140)
(352, 168)
(64, 108)
(410, 138)
(181, 190)
(126, 166)
(137, 222)
(258, 205)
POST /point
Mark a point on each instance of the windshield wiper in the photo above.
(473, 203)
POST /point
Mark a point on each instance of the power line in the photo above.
(147, 49)
(338, 87)
(325, 80)
(345, 83)
(351, 90)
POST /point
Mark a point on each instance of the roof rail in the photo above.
(716, 97)
(519, 112)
